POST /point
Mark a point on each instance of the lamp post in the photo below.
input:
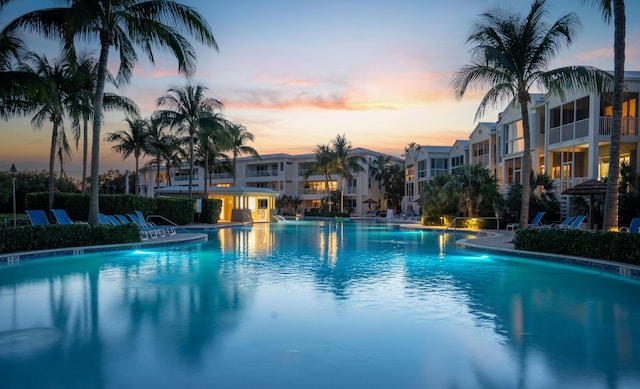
(13, 171)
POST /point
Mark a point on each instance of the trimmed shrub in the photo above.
(327, 214)
(612, 246)
(178, 210)
(211, 211)
(42, 237)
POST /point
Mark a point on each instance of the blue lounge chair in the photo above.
(633, 227)
(575, 224)
(37, 217)
(103, 219)
(169, 229)
(61, 216)
(565, 223)
(152, 230)
(537, 220)
(144, 235)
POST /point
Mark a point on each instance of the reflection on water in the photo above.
(281, 305)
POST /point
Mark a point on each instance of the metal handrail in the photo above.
(497, 219)
(168, 221)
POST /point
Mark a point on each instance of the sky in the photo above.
(298, 73)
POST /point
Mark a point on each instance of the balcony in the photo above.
(569, 131)
(262, 173)
(629, 126)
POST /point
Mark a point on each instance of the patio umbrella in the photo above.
(370, 201)
(589, 188)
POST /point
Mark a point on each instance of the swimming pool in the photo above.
(315, 305)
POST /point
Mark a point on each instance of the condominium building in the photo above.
(282, 174)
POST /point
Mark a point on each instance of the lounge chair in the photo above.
(103, 219)
(37, 217)
(169, 229)
(537, 220)
(144, 235)
(157, 231)
(633, 227)
(62, 217)
(565, 223)
(575, 224)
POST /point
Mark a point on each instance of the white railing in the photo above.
(629, 126)
(262, 173)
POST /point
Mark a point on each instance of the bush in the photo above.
(178, 210)
(327, 214)
(211, 211)
(612, 246)
(42, 237)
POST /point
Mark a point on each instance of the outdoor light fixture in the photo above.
(13, 171)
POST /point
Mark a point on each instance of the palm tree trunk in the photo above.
(135, 179)
(85, 148)
(611, 198)
(94, 198)
(523, 99)
(206, 173)
(158, 171)
(326, 190)
(191, 135)
(52, 159)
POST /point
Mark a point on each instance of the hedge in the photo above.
(53, 236)
(612, 246)
(178, 210)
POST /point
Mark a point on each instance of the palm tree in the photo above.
(172, 153)
(380, 170)
(210, 141)
(476, 189)
(187, 109)
(511, 55)
(49, 104)
(344, 163)
(322, 165)
(84, 76)
(617, 8)
(135, 140)
(122, 24)
(238, 138)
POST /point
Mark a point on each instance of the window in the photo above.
(582, 108)
(439, 166)
(422, 169)
(263, 203)
(457, 161)
(515, 137)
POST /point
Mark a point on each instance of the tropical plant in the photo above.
(616, 9)
(436, 202)
(323, 165)
(187, 110)
(122, 24)
(380, 170)
(511, 55)
(541, 196)
(395, 186)
(476, 190)
(238, 138)
(344, 163)
(133, 141)
(413, 146)
(210, 141)
(49, 104)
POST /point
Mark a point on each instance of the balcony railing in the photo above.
(217, 176)
(569, 131)
(480, 160)
(262, 173)
(629, 126)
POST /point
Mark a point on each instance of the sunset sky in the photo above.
(297, 73)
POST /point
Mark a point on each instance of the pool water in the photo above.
(315, 305)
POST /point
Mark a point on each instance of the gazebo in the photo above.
(589, 188)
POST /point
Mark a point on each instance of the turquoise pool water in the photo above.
(315, 305)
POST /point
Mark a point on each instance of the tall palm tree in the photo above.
(135, 140)
(122, 24)
(511, 55)
(380, 169)
(49, 104)
(323, 164)
(84, 76)
(210, 141)
(617, 9)
(239, 136)
(344, 162)
(187, 110)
